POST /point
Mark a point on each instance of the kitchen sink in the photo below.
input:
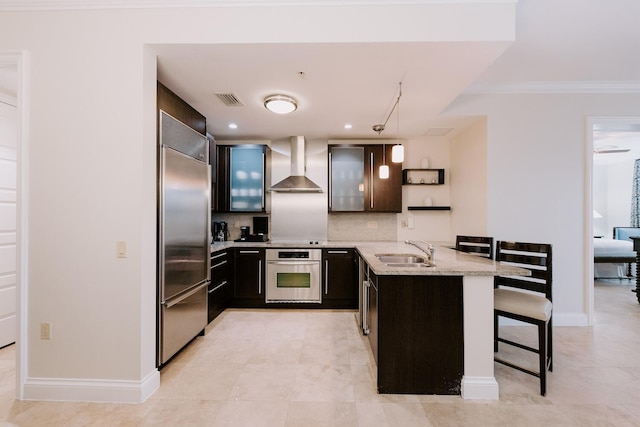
(409, 264)
(404, 260)
(400, 258)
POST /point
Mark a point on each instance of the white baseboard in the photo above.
(103, 391)
(570, 319)
(479, 388)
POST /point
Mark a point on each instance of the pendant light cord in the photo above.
(379, 128)
(398, 121)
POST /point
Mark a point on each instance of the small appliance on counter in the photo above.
(256, 238)
(244, 232)
(260, 230)
(220, 231)
(261, 225)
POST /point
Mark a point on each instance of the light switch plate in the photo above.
(410, 222)
(121, 249)
(45, 331)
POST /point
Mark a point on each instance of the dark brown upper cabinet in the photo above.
(354, 182)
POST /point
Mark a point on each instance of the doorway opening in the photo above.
(13, 212)
(615, 143)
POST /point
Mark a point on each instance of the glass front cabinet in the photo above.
(240, 178)
(354, 184)
(346, 169)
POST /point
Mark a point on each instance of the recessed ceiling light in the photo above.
(233, 126)
(280, 104)
(348, 126)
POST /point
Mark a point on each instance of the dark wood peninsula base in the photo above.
(418, 336)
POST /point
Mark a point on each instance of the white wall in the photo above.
(469, 181)
(428, 225)
(600, 191)
(620, 182)
(91, 166)
(612, 184)
(537, 179)
(612, 187)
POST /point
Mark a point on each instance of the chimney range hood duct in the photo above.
(297, 182)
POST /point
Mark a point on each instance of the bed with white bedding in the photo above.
(613, 258)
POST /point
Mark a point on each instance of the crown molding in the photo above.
(17, 5)
(568, 87)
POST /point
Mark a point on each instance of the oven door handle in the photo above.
(294, 262)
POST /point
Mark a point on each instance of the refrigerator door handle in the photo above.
(181, 297)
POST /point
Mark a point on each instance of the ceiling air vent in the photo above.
(230, 99)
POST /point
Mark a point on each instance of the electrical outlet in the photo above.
(372, 224)
(45, 331)
(403, 223)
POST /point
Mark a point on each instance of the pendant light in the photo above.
(383, 172)
(397, 152)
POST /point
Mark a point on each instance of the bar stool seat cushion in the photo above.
(522, 303)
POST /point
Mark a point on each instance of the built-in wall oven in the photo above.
(293, 275)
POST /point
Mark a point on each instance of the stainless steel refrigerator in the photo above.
(184, 180)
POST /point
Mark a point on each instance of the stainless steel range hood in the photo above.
(297, 182)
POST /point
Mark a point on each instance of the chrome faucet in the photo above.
(429, 250)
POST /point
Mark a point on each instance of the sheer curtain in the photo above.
(635, 195)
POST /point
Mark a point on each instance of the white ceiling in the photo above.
(334, 84)
(612, 136)
(572, 42)
(561, 45)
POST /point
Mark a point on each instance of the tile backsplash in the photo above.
(362, 227)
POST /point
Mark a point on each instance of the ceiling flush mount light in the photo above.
(397, 152)
(280, 104)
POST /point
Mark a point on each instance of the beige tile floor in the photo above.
(312, 368)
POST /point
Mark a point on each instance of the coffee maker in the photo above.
(220, 231)
(244, 233)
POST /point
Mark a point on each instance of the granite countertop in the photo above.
(448, 261)
(217, 246)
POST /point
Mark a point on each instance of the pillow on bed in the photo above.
(625, 233)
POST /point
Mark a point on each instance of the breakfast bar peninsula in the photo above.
(428, 312)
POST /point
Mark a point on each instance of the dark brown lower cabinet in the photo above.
(339, 278)
(220, 290)
(219, 298)
(416, 333)
(249, 278)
